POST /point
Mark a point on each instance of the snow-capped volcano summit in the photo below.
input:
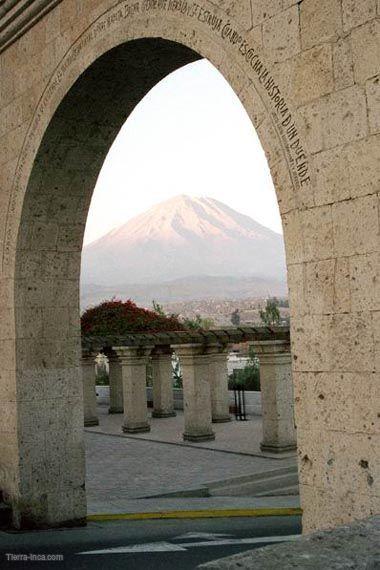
(184, 237)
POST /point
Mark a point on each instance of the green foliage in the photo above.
(270, 316)
(102, 378)
(249, 376)
(157, 308)
(198, 323)
(235, 318)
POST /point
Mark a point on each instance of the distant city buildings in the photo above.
(220, 311)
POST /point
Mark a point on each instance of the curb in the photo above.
(198, 514)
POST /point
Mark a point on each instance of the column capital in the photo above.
(133, 354)
(200, 349)
(189, 350)
(272, 351)
(160, 351)
(218, 351)
(271, 346)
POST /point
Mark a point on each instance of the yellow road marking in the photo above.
(198, 514)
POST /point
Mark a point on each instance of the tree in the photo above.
(271, 314)
(157, 308)
(249, 376)
(235, 318)
(198, 323)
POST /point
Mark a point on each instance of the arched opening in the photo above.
(149, 259)
(47, 268)
(48, 263)
(312, 97)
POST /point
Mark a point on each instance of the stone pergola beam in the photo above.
(228, 335)
(279, 433)
(133, 364)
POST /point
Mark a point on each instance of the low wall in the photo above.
(252, 399)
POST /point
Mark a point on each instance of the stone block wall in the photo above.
(307, 73)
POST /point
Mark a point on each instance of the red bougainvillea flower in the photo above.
(118, 317)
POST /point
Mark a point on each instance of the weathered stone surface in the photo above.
(337, 177)
(133, 362)
(89, 390)
(343, 116)
(320, 22)
(264, 9)
(311, 74)
(337, 119)
(365, 285)
(78, 64)
(350, 234)
(196, 392)
(218, 380)
(365, 41)
(357, 13)
(281, 35)
(373, 100)
(279, 432)
(240, 10)
(343, 64)
(162, 378)
(320, 247)
(355, 546)
(320, 286)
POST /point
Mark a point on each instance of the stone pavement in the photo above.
(123, 471)
(235, 436)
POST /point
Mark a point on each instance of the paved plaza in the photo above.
(242, 437)
(131, 472)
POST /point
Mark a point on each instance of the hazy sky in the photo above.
(189, 135)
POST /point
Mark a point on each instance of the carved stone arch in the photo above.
(311, 92)
(84, 105)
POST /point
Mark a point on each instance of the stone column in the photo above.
(279, 433)
(218, 378)
(163, 398)
(133, 363)
(89, 389)
(196, 392)
(116, 385)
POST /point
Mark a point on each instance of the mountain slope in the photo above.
(186, 289)
(184, 237)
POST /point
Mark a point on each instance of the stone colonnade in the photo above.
(205, 389)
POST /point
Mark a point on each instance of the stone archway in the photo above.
(290, 66)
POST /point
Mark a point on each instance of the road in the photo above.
(145, 545)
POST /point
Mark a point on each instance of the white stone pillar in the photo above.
(116, 385)
(218, 378)
(89, 389)
(133, 363)
(162, 370)
(196, 392)
(279, 433)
